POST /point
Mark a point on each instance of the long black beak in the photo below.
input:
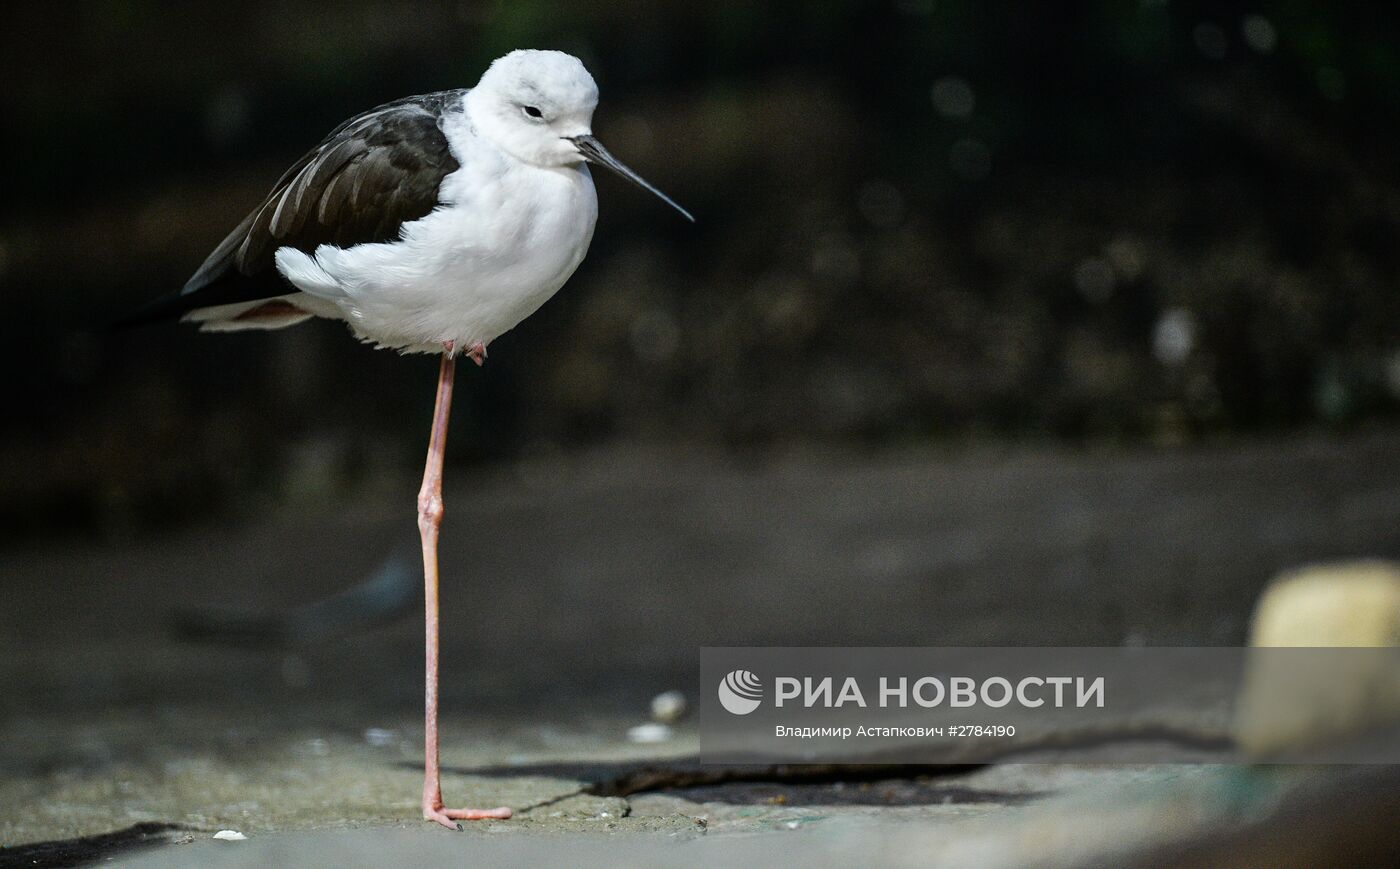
(594, 152)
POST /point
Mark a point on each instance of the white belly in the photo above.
(506, 239)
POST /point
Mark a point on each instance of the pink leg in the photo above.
(429, 520)
(477, 353)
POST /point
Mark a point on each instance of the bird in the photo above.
(430, 224)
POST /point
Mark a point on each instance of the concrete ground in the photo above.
(576, 589)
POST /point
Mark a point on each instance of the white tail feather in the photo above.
(226, 318)
(306, 274)
(280, 321)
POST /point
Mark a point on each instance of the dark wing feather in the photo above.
(370, 176)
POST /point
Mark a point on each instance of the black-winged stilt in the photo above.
(431, 224)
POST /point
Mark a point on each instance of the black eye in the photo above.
(533, 112)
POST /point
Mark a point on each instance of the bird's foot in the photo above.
(477, 353)
(449, 817)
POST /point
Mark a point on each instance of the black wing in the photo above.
(370, 176)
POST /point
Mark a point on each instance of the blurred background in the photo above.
(923, 222)
(1001, 324)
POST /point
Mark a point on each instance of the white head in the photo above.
(538, 107)
(530, 103)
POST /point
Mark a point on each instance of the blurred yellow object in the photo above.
(1350, 604)
(1295, 700)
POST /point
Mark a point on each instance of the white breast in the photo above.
(506, 238)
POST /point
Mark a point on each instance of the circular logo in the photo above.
(740, 692)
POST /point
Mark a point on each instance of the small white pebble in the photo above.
(793, 825)
(669, 707)
(380, 737)
(649, 733)
(230, 836)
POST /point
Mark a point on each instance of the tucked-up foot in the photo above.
(477, 353)
(449, 817)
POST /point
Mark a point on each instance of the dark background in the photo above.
(1002, 324)
(920, 224)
